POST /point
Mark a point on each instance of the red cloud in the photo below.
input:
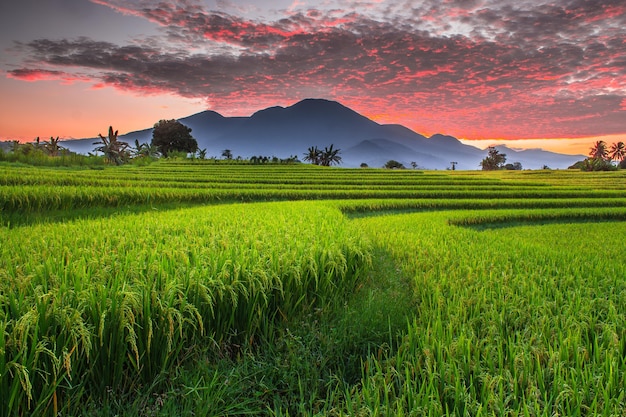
(32, 75)
(550, 70)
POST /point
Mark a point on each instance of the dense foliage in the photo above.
(325, 157)
(601, 157)
(393, 164)
(494, 160)
(114, 150)
(170, 136)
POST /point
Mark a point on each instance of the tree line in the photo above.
(604, 158)
(170, 138)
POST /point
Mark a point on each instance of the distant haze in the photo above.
(290, 131)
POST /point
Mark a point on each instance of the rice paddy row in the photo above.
(27, 189)
(516, 320)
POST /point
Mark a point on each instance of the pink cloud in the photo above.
(516, 75)
(33, 75)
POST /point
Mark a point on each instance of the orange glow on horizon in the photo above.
(85, 111)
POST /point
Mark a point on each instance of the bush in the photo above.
(597, 164)
(393, 164)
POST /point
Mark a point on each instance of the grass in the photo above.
(128, 291)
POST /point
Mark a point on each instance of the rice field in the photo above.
(194, 288)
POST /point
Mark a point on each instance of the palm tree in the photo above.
(147, 150)
(618, 151)
(139, 149)
(52, 147)
(313, 155)
(330, 156)
(599, 150)
(113, 149)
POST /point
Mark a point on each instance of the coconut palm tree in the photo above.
(330, 156)
(599, 150)
(618, 151)
(313, 155)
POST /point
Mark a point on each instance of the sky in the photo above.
(527, 73)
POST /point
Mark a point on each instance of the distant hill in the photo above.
(6, 146)
(286, 131)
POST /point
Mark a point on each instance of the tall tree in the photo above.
(618, 151)
(227, 154)
(114, 150)
(313, 155)
(327, 157)
(52, 147)
(599, 151)
(330, 156)
(172, 136)
(494, 160)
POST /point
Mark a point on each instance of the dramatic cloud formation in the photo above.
(471, 68)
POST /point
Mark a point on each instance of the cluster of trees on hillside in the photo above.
(227, 154)
(39, 152)
(170, 138)
(49, 148)
(602, 157)
(326, 157)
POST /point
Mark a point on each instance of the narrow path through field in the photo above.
(376, 317)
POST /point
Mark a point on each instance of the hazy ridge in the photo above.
(286, 131)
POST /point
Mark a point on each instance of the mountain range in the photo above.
(290, 131)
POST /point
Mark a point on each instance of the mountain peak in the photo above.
(270, 111)
(444, 138)
(323, 107)
(203, 115)
(284, 131)
(317, 102)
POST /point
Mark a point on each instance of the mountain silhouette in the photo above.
(290, 131)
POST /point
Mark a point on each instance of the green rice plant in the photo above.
(372, 207)
(519, 320)
(125, 299)
(35, 189)
(518, 314)
(506, 217)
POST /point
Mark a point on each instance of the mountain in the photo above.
(286, 131)
(538, 157)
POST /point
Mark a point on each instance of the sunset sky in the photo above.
(529, 73)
